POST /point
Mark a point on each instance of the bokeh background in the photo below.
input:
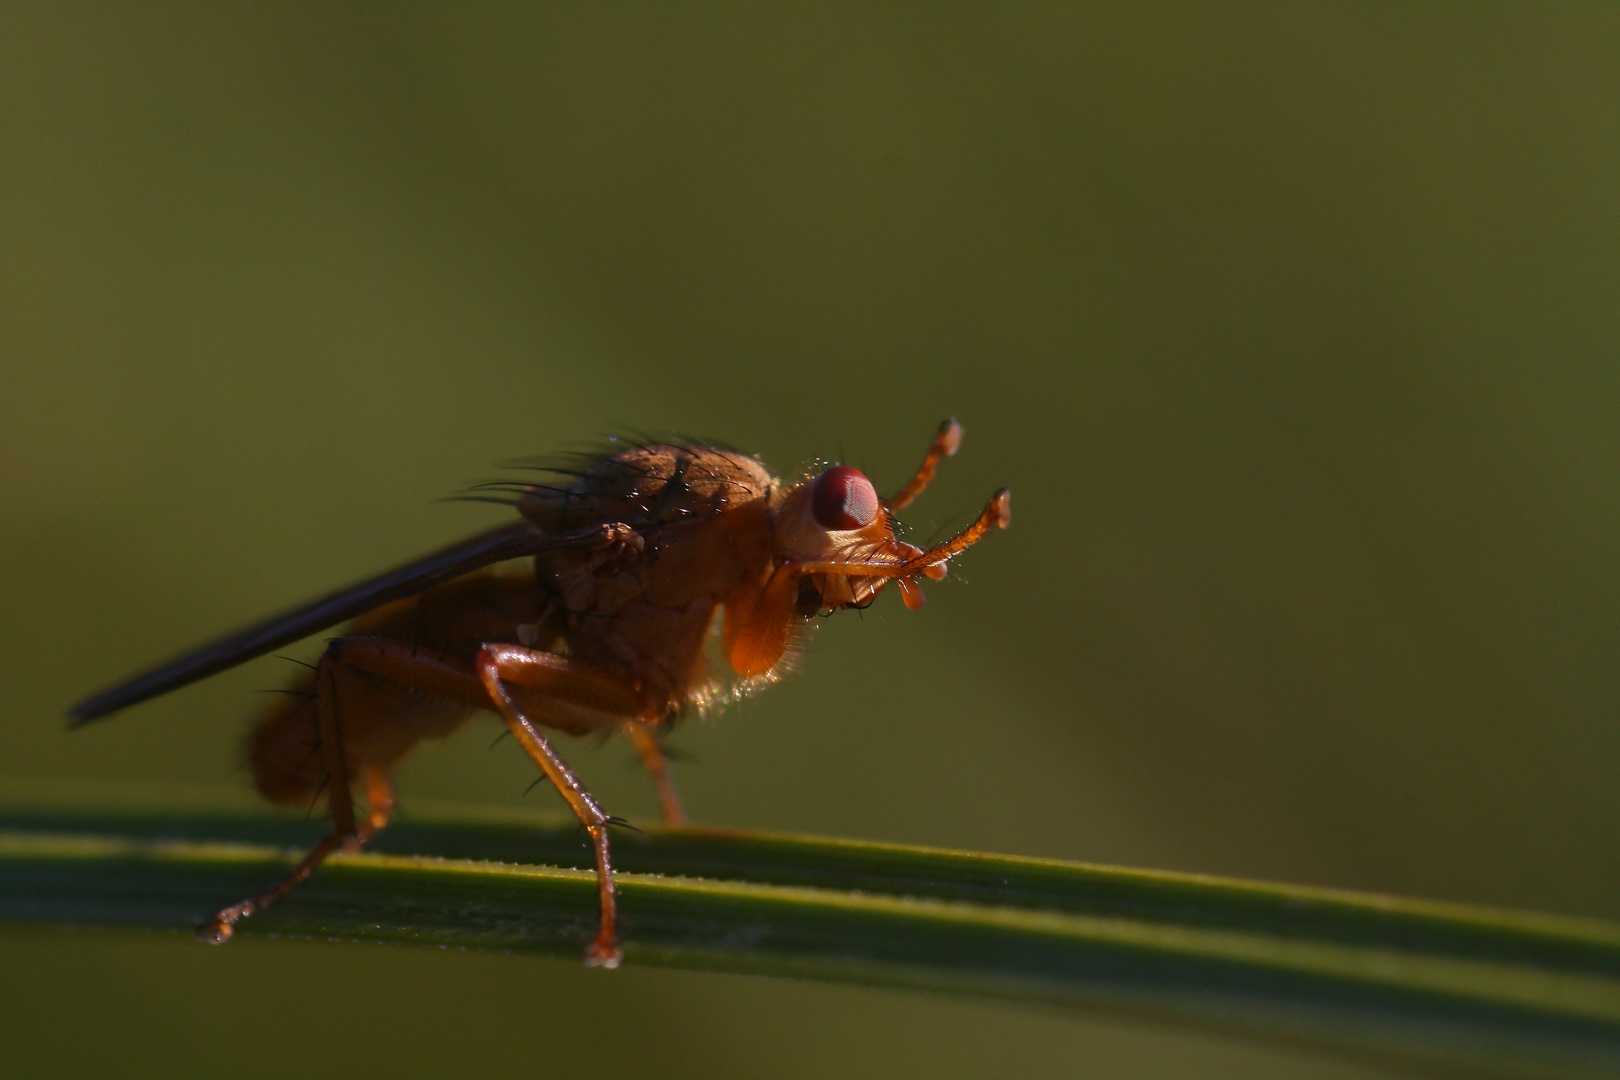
(1294, 328)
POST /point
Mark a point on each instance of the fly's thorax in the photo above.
(647, 487)
(699, 524)
(656, 651)
(696, 562)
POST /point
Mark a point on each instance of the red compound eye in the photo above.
(844, 499)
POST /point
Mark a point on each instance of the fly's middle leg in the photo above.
(578, 684)
(379, 805)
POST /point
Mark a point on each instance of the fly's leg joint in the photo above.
(618, 543)
(498, 663)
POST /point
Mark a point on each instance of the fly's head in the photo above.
(840, 536)
(833, 545)
(837, 517)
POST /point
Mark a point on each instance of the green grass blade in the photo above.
(1443, 983)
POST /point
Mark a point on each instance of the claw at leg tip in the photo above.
(600, 955)
(215, 933)
(1003, 505)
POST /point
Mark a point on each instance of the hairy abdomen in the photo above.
(381, 721)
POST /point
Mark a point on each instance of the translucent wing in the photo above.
(485, 549)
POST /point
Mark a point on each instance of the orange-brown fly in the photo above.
(603, 632)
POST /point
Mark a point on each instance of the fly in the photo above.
(603, 631)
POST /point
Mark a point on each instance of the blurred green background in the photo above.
(1294, 328)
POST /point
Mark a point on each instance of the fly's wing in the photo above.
(485, 549)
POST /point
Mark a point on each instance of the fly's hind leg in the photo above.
(379, 806)
(656, 760)
(347, 659)
(340, 807)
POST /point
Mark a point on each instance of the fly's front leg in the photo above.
(579, 685)
(656, 760)
(946, 441)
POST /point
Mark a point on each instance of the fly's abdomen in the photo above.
(283, 748)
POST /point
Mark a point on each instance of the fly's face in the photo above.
(837, 516)
(832, 545)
